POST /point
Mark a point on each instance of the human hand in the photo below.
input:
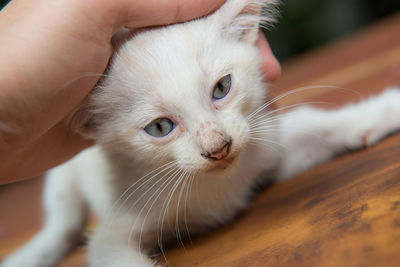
(270, 65)
(53, 53)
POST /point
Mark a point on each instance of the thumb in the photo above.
(139, 13)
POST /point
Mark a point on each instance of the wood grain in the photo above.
(343, 213)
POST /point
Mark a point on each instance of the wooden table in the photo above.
(343, 213)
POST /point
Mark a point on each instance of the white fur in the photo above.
(313, 136)
(148, 190)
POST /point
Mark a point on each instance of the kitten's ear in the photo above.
(81, 121)
(240, 19)
(121, 37)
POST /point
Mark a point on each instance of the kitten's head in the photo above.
(184, 92)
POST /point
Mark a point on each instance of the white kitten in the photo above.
(183, 135)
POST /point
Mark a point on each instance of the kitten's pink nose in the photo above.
(219, 153)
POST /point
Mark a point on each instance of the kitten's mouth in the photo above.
(223, 164)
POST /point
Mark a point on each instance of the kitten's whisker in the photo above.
(162, 187)
(257, 143)
(177, 232)
(188, 191)
(150, 188)
(186, 179)
(297, 90)
(265, 131)
(163, 167)
(252, 120)
(175, 170)
(293, 130)
(164, 211)
(197, 186)
(278, 110)
(273, 122)
(265, 117)
(161, 216)
(170, 197)
(269, 141)
(160, 190)
(267, 127)
(338, 88)
(154, 173)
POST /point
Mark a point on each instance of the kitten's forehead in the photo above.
(174, 69)
(173, 61)
(176, 53)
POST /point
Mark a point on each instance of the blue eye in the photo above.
(222, 87)
(159, 127)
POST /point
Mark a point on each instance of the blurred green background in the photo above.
(3, 3)
(306, 24)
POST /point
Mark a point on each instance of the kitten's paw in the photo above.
(365, 139)
(27, 259)
(37, 253)
(121, 258)
(379, 117)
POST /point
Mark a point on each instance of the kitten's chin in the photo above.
(222, 165)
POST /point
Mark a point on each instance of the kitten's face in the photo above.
(181, 93)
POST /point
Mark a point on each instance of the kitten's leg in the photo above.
(313, 136)
(111, 246)
(64, 219)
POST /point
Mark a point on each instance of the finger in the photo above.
(141, 13)
(270, 65)
(52, 148)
